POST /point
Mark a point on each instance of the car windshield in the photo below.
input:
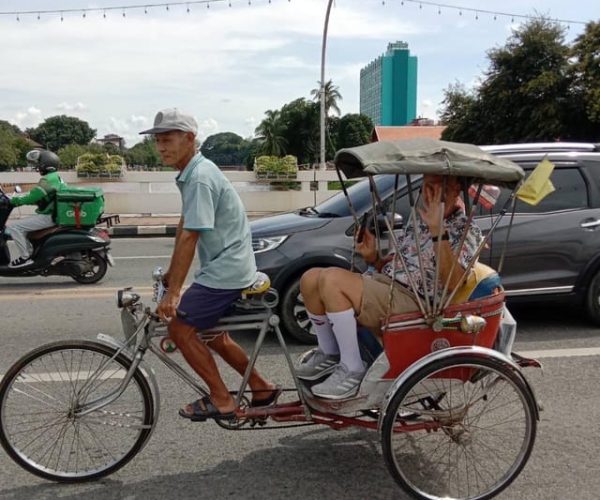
(337, 205)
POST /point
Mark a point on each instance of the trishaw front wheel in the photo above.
(41, 398)
(460, 427)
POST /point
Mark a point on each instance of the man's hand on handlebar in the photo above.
(167, 309)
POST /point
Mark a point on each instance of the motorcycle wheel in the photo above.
(97, 271)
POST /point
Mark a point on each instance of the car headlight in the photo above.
(265, 244)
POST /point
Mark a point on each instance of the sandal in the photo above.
(203, 409)
(268, 401)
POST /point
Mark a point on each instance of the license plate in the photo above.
(110, 259)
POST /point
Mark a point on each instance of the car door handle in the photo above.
(590, 223)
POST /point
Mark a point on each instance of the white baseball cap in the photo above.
(172, 119)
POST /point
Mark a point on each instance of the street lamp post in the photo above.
(322, 89)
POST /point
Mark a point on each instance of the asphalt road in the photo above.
(201, 460)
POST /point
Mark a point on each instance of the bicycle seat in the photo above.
(261, 284)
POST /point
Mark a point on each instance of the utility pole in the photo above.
(322, 89)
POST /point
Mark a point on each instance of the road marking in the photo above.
(546, 353)
(135, 257)
(562, 353)
(68, 293)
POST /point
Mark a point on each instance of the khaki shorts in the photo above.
(375, 299)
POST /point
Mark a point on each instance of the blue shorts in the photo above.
(203, 307)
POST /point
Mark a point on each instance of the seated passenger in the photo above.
(336, 298)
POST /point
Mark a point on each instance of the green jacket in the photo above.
(43, 195)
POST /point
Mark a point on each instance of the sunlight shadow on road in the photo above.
(317, 463)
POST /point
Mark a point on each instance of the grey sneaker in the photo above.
(341, 384)
(316, 364)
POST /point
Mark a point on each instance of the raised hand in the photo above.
(431, 212)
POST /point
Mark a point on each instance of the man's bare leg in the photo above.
(340, 290)
(202, 362)
(236, 357)
(309, 288)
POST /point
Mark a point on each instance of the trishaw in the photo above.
(456, 416)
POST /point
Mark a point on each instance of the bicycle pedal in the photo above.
(260, 421)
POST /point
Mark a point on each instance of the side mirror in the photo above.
(18, 189)
(398, 222)
(367, 222)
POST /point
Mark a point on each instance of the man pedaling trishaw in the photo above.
(456, 416)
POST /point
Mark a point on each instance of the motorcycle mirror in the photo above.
(18, 189)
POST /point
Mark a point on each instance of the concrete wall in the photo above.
(156, 192)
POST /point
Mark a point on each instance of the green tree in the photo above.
(252, 152)
(13, 146)
(58, 131)
(524, 95)
(300, 119)
(143, 154)
(8, 152)
(269, 133)
(332, 96)
(460, 115)
(70, 153)
(585, 75)
(225, 148)
(354, 130)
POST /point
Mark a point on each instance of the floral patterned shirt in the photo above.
(455, 225)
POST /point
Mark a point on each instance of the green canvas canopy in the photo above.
(427, 156)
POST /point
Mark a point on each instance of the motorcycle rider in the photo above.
(43, 195)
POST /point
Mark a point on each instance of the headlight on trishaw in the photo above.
(260, 245)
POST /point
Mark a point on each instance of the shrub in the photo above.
(99, 164)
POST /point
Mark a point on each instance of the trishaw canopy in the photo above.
(427, 156)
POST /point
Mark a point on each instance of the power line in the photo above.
(167, 5)
(475, 11)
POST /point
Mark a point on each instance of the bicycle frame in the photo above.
(150, 326)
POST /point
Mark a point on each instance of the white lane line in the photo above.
(547, 353)
(136, 257)
(562, 353)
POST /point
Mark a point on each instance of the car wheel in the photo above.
(593, 299)
(294, 316)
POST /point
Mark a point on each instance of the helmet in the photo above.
(42, 160)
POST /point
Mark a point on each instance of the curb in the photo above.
(129, 231)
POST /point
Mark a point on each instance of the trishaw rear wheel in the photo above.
(460, 427)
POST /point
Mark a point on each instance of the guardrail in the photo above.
(156, 192)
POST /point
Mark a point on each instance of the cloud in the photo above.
(65, 106)
(226, 64)
(28, 118)
(207, 127)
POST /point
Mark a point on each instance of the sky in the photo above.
(228, 65)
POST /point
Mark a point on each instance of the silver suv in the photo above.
(554, 248)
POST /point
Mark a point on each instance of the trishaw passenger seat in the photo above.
(482, 281)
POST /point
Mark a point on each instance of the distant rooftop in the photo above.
(407, 132)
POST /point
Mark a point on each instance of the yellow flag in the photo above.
(538, 185)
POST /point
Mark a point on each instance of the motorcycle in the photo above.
(80, 253)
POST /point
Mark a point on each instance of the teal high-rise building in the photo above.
(388, 87)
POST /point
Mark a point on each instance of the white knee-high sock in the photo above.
(343, 324)
(325, 337)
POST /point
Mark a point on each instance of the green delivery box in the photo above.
(79, 206)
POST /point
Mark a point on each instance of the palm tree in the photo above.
(332, 96)
(269, 133)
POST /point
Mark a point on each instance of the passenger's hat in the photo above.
(172, 119)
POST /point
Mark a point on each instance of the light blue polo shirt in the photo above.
(212, 206)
